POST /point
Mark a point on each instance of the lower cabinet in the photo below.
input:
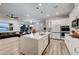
(72, 45)
(9, 46)
(33, 46)
(55, 35)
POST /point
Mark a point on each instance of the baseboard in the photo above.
(57, 39)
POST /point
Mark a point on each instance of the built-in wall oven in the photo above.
(64, 30)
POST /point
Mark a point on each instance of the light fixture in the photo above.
(41, 24)
(27, 15)
(34, 14)
(48, 15)
(57, 13)
(37, 23)
(31, 25)
(31, 21)
(39, 4)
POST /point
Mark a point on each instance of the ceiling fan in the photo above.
(12, 16)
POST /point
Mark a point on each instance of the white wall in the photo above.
(15, 23)
(57, 21)
(73, 15)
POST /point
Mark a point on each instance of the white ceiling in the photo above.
(28, 10)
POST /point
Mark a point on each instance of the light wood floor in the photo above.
(56, 47)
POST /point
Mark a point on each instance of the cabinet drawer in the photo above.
(42, 44)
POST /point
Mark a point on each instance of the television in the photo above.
(4, 26)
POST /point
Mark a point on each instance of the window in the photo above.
(4, 26)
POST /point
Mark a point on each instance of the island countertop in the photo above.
(36, 35)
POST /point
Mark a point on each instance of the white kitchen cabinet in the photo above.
(33, 45)
(55, 31)
(55, 28)
(72, 44)
(55, 35)
(9, 46)
(69, 44)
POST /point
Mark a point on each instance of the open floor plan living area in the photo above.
(39, 28)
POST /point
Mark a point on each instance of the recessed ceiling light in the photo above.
(48, 15)
(57, 13)
(37, 23)
(41, 24)
(31, 21)
(34, 14)
(27, 15)
(39, 4)
(31, 25)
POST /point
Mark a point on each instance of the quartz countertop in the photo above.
(36, 35)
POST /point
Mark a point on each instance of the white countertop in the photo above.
(36, 35)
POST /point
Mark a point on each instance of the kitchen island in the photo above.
(33, 44)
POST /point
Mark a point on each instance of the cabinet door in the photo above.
(69, 44)
(55, 35)
(55, 28)
(42, 43)
(58, 36)
(55, 31)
